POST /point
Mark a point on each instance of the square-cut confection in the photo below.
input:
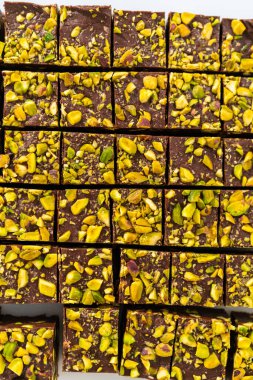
(148, 344)
(27, 214)
(85, 35)
(196, 161)
(194, 42)
(239, 274)
(28, 274)
(242, 366)
(194, 101)
(237, 45)
(30, 99)
(238, 168)
(236, 218)
(28, 349)
(88, 158)
(86, 99)
(84, 216)
(144, 277)
(139, 39)
(30, 33)
(137, 216)
(141, 159)
(201, 348)
(191, 217)
(237, 110)
(86, 276)
(140, 99)
(90, 340)
(31, 157)
(197, 279)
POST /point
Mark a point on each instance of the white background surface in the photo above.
(223, 8)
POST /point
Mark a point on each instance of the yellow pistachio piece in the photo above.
(136, 289)
(183, 30)
(79, 206)
(150, 82)
(47, 288)
(187, 17)
(93, 234)
(128, 145)
(186, 175)
(238, 27)
(212, 361)
(16, 366)
(74, 117)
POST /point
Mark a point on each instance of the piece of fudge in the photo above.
(90, 340)
(28, 274)
(148, 344)
(28, 349)
(239, 274)
(86, 276)
(236, 218)
(242, 364)
(196, 161)
(27, 214)
(201, 348)
(140, 99)
(238, 157)
(88, 158)
(139, 39)
(30, 33)
(194, 42)
(1, 37)
(30, 99)
(194, 101)
(84, 216)
(237, 110)
(141, 159)
(191, 217)
(197, 279)
(137, 216)
(237, 45)
(86, 99)
(31, 157)
(85, 35)
(144, 277)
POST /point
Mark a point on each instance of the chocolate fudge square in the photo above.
(201, 348)
(84, 216)
(2, 44)
(30, 33)
(239, 274)
(28, 274)
(86, 276)
(30, 99)
(237, 45)
(194, 42)
(141, 159)
(148, 344)
(196, 161)
(194, 101)
(27, 214)
(140, 99)
(237, 110)
(144, 277)
(31, 157)
(90, 340)
(86, 99)
(243, 367)
(88, 158)
(236, 217)
(191, 217)
(238, 162)
(85, 36)
(197, 279)
(28, 349)
(137, 216)
(139, 39)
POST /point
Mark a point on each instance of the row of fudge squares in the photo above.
(30, 274)
(139, 38)
(76, 158)
(192, 218)
(142, 100)
(156, 344)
